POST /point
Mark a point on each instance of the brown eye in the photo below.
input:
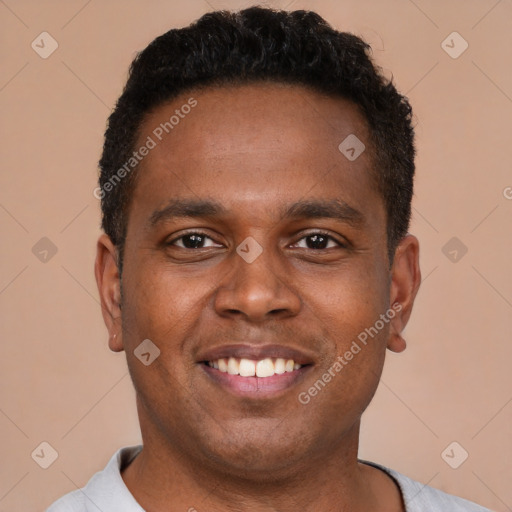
(317, 241)
(194, 241)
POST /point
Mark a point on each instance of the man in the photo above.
(256, 182)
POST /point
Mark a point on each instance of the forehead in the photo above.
(248, 117)
(240, 143)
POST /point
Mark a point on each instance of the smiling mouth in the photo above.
(255, 371)
(243, 367)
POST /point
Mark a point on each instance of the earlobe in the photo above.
(114, 343)
(405, 282)
(109, 287)
(396, 343)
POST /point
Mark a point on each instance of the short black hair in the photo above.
(261, 44)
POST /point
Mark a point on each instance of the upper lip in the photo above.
(255, 352)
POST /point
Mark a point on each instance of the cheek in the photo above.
(350, 300)
(163, 307)
(348, 313)
(159, 303)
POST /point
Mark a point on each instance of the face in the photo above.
(255, 258)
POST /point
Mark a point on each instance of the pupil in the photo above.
(317, 242)
(193, 241)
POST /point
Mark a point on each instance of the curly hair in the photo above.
(260, 44)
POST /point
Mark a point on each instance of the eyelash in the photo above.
(313, 233)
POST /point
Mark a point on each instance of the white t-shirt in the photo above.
(107, 492)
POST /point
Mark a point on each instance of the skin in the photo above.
(256, 149)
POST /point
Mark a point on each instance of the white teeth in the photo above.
(247, 368)
(279, 366)
(250, 368)
(264, 368)
(223, 365)
(233, 366)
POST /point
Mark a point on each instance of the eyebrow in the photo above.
(310, 209)
(325, 209)
(186, 208)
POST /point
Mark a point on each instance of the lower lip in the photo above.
(256, 386)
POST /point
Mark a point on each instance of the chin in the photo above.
(256, 465)
(256, 454)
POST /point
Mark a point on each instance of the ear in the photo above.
(405, 282)
(109, 287)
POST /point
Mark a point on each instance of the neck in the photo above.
(164, 478)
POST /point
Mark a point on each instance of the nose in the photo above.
(257, 291)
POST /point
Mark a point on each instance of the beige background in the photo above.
(60, 383)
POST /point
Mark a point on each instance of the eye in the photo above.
(194, 241)
(317, 241)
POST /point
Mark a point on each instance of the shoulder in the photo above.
(104, 491)
(72, 502)
(419, 497)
